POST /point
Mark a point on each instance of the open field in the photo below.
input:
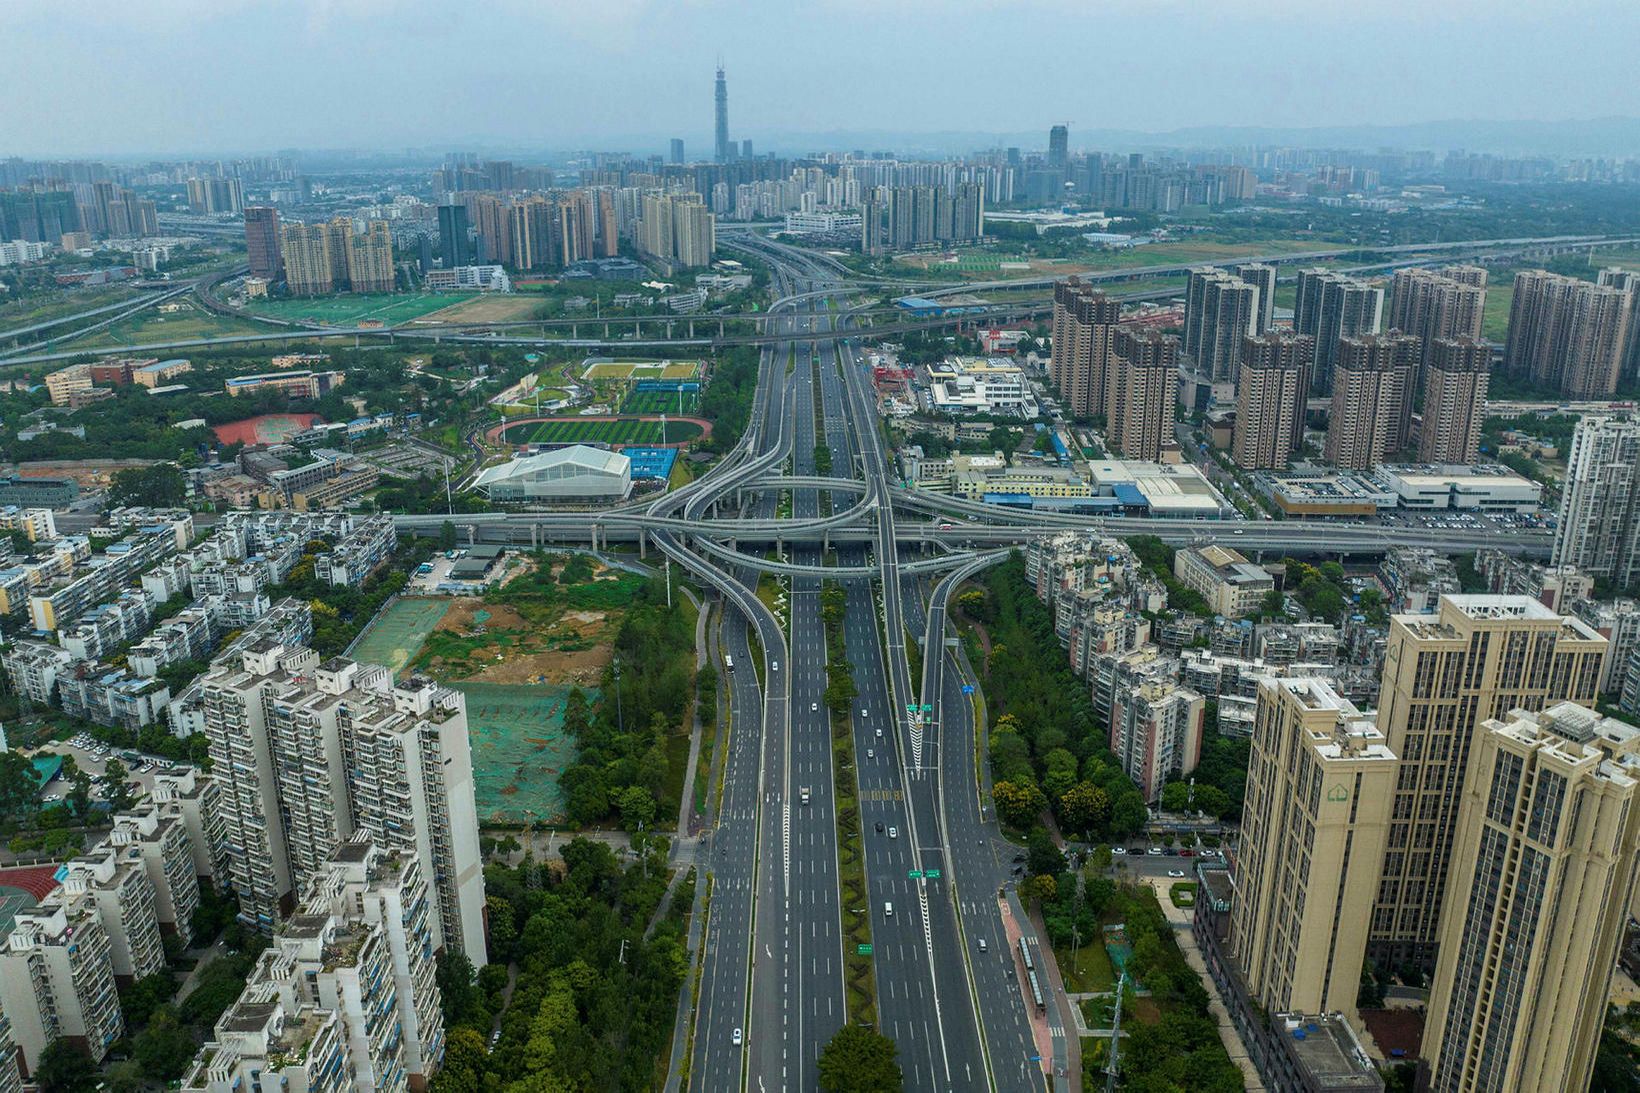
(615, 431)
(1151, 254)
(660, 402)
(642, 370)
(491, 307)
(151, 326)
(395, 636)
(519, 750)
(347, 309)
(39, 309)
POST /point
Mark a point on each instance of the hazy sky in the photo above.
(217, 76)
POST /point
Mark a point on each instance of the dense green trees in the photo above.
(160, 486)
(594, 1001)
(727, 400)
(621, 764)
(1047, 746)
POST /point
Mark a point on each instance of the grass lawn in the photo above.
(581, 431)
(346, 309)
(152, 328)
(55, 305)
(1086, 971)
(1495, 318)
(1183, 894)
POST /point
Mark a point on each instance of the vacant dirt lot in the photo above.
(495, 308)
(535, 655)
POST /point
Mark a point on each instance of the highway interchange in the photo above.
(772, 989)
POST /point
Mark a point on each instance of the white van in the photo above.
(728, 662)
(888, 909)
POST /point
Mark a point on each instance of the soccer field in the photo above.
(617, 432)
(660, 402)
(388, 308)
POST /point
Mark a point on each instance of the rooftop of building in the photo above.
(1326, 1047)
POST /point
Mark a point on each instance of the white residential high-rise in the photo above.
(57, 979)
(115, 879)
(159, 833)
(346, 1000)
(1599, 530)
(309, 753)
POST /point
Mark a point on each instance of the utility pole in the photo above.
(620, 719)
(449, 505)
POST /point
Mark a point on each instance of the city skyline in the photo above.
(664, 59)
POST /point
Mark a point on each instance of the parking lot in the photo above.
(92, 756)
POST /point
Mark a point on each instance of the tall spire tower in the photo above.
(724, 152)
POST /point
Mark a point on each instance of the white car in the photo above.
(774, 666)
(813, 706)
(1175, 872)
(871, 753)
(1154, 851)
(893, 832)
(737, 1037)
(1118, 851)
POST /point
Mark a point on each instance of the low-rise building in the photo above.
(38, 491)
(1417, 578)
(1483, 487)
(300, 384)
(1326, 494)
(1556, 587)
(1231, 585)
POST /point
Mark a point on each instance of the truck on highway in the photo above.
(804, 794)
(728, 662)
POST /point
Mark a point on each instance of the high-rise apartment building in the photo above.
(262, 242)
(1548, 837)
(1263, 278)
(1476, 658)
(1320, 778)
(57, 979)
(115, 880)
(1371, 410)
(723, 151)
(346, 999)
(306, 252)
(1156, 730)
(1567, 334)
(1626, 281)
(1434, 304)
(370, 258)
(311, 753)
(1084, 336)
(1330, 306)
(452, 236)
(1270, 397)
(1599, 528)
(215, 196)
(675, 152)
(11, 1074)
(1457, 372)
(676, 229)
(1220, 312)
(1141, 390)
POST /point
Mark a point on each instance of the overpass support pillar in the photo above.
(472, 534)
(691, 330)
(606, 331)
(720, 328)
(643, 543)
(825, 541)
(574, 330)
(535, 536)
(779, 546)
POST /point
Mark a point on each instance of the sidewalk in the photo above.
(1067, 1050)
(1180, 919)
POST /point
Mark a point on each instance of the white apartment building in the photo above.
(311, 753)
(57, 979)
(159, 833)
(346, 1000)
(115, 879)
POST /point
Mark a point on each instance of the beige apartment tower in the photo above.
(1567, 334)
(306, 250)
(1456, 374)
(1270, 396)
(1476, 658)
(1438, 303)
(1141, 393)
(1319, 784)
(1371, 399)
(1084, 334)
(1547, 840)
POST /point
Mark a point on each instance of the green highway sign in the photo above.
(862, 950)
(915, 874)
(932, 874)
(928, 709)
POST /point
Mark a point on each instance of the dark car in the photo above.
(879, 827)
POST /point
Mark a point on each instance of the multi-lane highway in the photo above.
(773, 983)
